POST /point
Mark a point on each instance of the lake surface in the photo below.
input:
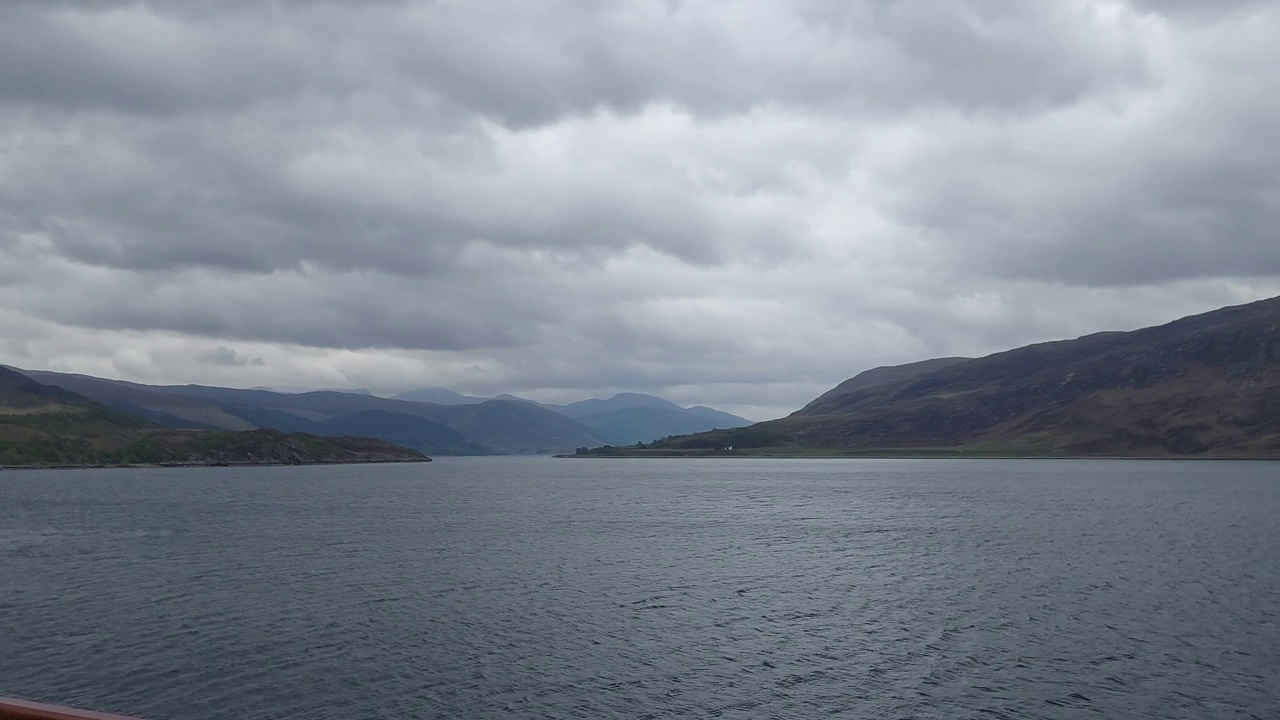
(541, 588)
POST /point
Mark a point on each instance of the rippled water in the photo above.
(540, 588)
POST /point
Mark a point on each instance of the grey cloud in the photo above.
(148, 197)
(529, 64)
(223, 355)
(18, 348)
(172, 193)
(1202, 8)
(325, 310)
(1099, 200)
(153, 63)
(624, 195)
(1006, 53)
(863, 57)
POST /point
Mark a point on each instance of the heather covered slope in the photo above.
(46, 425)
(880, 376)
(1206, 385)
(43, 424)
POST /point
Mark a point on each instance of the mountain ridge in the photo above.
(883, 375)
(490, 427)
(1203, 385)
(625, 418)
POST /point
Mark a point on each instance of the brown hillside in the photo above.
(1203, 385)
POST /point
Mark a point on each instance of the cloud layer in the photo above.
(737, 204)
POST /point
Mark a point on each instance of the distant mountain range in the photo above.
(47, 425)
(1206, 385)
(440, 396)
(630, 418)
(448, 424)
(624, 419)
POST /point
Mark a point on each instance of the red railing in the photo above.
(11, 709)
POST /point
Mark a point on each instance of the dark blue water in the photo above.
(540, 588)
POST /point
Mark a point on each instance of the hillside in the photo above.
(43, 424)
(261, 447)
(407, 430)
(880, 376)
(46, 425)
(489, 427)
(1206, 385)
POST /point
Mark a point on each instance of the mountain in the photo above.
(494, 426)
(455, 425)
(630, 418)
(515, 398)
(439, 396)
(519, 426)
(719, 417)
(46, 425)
(401, 429)
(621, 401)
(624, 419)
(876, 377)
(1206, 385)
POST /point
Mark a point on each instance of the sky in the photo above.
(737, 204)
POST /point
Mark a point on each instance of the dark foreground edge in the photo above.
(13, 709)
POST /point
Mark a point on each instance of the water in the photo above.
(540, 588)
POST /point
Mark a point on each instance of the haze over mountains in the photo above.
(453, 425)
(1205, 385)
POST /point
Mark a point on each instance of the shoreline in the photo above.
(152, 466)
(922, 456)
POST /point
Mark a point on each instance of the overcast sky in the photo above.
(735, 204)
